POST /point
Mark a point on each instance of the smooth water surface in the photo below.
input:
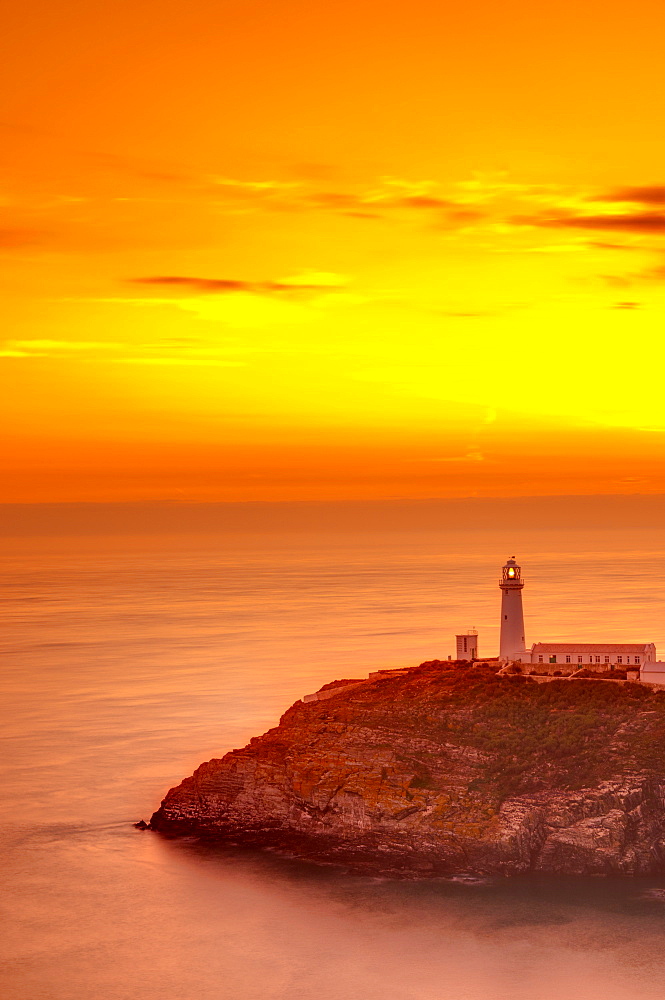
(127, 663)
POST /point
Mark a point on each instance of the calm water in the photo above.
(127, 664)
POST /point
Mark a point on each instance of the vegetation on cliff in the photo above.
(561, 734)
(448, 767)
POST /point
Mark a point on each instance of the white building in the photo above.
(467, 645)
(568, 655)
(579, 654)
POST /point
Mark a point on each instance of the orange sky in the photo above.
(296, 250)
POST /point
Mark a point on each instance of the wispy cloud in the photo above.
(83, 350)
(629, 222)
(606, 245)
(493, 203)
(388, 196)
(653, 194)
(263, 187)
(19, 354)
(493, 199)
(130, 354)
(630, 209)
(308, 282)
(214, 362)
(654, 273)
(648, 274)
(64, 345)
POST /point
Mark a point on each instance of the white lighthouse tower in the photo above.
(511, 646)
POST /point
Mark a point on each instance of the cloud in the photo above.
(315, 281)
(64, 345)
(217, 362)
(53, 348)
(603, 245)
(390, 195)
(647, 275)
(253, 187)
(630, 222)
(649, 195)
(629, 209)
(20, 354)
(383, 197)
(205, 285)
(56, 349)
(653, 273)
(626, 305)
(240, 303)
(485, 186)
(362, 215)
(422, 201)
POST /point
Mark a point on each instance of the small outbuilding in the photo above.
(466, 645)
(653, 672)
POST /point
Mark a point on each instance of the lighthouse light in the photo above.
(511, 572)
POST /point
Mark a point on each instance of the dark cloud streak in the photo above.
(634, 222)
(653, 194)
(601, 245)
(422, 201)
(226, 286)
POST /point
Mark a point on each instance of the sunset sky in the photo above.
(295, 250)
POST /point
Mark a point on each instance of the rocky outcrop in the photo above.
(443, 769)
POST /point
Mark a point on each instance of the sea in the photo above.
(128, 659)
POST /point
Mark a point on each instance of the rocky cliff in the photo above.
(445, 769)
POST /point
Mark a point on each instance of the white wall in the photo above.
(653, 673)
(471, 643)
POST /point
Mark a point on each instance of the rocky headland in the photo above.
(444, 769)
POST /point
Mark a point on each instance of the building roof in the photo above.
(590, 647)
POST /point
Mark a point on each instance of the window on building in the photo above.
(620, 659)
(579, 659)
(465, 644)
(607, 659)
(552, 659)
(597, 659)
(567, 659)
(590, 659)
(540, 659)
(637, 659)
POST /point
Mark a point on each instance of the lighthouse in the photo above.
(511, 646)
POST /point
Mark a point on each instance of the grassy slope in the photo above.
(562, 734)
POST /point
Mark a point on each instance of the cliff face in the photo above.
(446, 769)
